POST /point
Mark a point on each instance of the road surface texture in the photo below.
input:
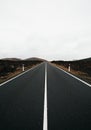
(69, 102)
(22, 101)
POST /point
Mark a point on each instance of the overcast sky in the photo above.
(50, 29)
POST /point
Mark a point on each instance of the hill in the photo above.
(11, 59)
(35, 59)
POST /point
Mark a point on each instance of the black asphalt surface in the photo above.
(22, 100)
(69, 102)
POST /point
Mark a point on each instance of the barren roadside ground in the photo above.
(13, 74)
(79, 74)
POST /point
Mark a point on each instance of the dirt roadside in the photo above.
(82, 75)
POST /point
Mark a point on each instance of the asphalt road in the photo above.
(22, 101)
(69, 102)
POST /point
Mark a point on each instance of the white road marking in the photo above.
(45, 119)
(75, 77)
(17, 76)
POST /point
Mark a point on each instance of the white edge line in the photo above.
(74, 76)
(45, 119)
(18, 75)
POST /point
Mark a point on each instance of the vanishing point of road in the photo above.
(45, 98)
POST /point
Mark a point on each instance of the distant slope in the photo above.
(86, 59)
(35, 59)
(11, 59)
(28, 59)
